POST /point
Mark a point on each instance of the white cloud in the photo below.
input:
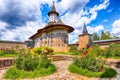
(2, 25)
(110, 10)
(105, 20)
(95, 29)
(76, 19)
(116, 27)
(21, 33)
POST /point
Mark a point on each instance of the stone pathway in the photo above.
(2, 71)
(63, 74)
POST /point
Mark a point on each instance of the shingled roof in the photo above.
(53, 10)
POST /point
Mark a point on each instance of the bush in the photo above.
(106, 73)
(41, 50)
(1, 52)
(44, 62)
(73, 50)
(89, 62)
(103, 51)
(14, 73)
(38, 50)
(109, 73)
(113, 50)
(29, 63)
(29, 66)
(8, 52)
(96, 50)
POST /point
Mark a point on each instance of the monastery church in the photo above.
(54, 34)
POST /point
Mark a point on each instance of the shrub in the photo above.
(73, 50)
(103, 51)
(50, 50)
(30, 66)
(1, 52)
(89, 62)
(96, 50)
(44, 62)
(113, 50)
(40, 50)
(106, 73)
(109, 72)
(29, 63)
(8, 52)
(15, 74)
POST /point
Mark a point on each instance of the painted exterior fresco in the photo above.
(55, 38)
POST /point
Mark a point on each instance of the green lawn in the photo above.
(68, 53)
(8, 55)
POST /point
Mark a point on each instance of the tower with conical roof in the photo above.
(85, 29)
(53, 14)
(84, 39)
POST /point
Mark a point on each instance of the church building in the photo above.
(54, 34)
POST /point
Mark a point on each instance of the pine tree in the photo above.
(96, 36)
(105, 35)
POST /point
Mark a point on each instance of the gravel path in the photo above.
(63, 74)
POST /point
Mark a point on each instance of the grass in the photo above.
(14, 73)
(106, 73)
(114, 57)
(67, 53)
(8, 55)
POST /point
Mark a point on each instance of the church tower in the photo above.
(85, 39)
(53, 14)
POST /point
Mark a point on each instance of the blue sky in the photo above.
(19, 19)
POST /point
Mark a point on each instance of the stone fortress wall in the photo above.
(12, 44)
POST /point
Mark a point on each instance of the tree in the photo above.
(105, 35)
(96, 36)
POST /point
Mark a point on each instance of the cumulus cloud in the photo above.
(72, 6)
(19, 19)
(21, 33)
(116, 27)
(95, 29)
(17, 12)
(77, 19)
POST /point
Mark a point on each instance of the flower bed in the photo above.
(91, 66)
(30, 65)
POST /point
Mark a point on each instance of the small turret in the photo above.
(53, 14)
(85, 29)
